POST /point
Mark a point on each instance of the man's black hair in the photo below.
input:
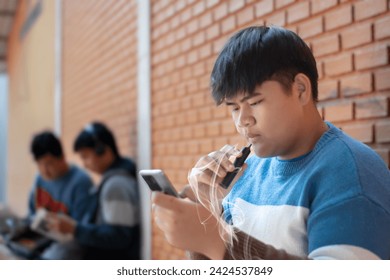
(94, 135)
(46, 143)
(257, 54)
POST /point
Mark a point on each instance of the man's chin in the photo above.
(262, 152)
(47, 178)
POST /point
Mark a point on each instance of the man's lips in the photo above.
(252, 138)
(252, 135)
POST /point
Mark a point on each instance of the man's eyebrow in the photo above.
(243, 99)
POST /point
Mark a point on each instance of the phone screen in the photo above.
(158, 181)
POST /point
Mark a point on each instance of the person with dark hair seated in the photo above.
(112, 230)
(59, 188)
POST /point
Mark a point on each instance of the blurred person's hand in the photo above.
(188, 225)
(60, 223)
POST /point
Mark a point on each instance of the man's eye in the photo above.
(256, 103)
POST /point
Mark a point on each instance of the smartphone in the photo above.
(158, 181)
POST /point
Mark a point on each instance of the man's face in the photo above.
(91, 160)
(269, 119)
(50, 167)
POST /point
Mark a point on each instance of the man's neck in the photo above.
(64, 168)
(312, 132)
(312, 129)
(109, 161)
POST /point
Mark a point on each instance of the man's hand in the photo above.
(209, 172)
(60, 223)
(188, 225)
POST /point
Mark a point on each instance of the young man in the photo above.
(59, 188)
(112, 230)
(310, 191)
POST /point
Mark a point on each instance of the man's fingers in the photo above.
(215, 162)
(230, 150)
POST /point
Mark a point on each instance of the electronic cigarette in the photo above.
(238, 163)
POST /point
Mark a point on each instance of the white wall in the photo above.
(3, 135)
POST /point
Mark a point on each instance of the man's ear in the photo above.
(303, 87)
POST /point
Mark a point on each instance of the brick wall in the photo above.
(350, 40)
(99, 69)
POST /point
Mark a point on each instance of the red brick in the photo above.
(205, 114)
(320, 69)
(384, 154)
(205, 51)
(209, 3)
(192, 26)
(356, 35)
(338, 65)
(174, 22)
(213, 129)
(264, 7)
(180, 61)
(205, 20)
(366, 9)
(293, 29)
(217, 46)
(219, 142)
(186, 133)
(235, 5)
(228, 127)
(191, 116)
(180, 33)
(340, 17)
(372, 107)
(321, 5)
(326, 45)
(213, 31)
(278, 18)
(311, 27)
(220, 112)
(193, 147)
(373, 57)
(185, 15)
(356, 84)
(382, 132)
(361, 132)
(327, 89)
(179, 5)
(220, 11)
(181, 148)
(245, 16)
(199, 130)
(198, 8)
(206, 146)
(192, 57)
(298, 12)
(282, 3)
(382, 29)
(198, 39)
(228, 24)
(382, 79)
(339, 112)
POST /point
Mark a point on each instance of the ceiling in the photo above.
(7, 13)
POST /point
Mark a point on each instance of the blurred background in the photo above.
(143, 68)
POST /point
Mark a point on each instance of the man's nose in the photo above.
(245, 118)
